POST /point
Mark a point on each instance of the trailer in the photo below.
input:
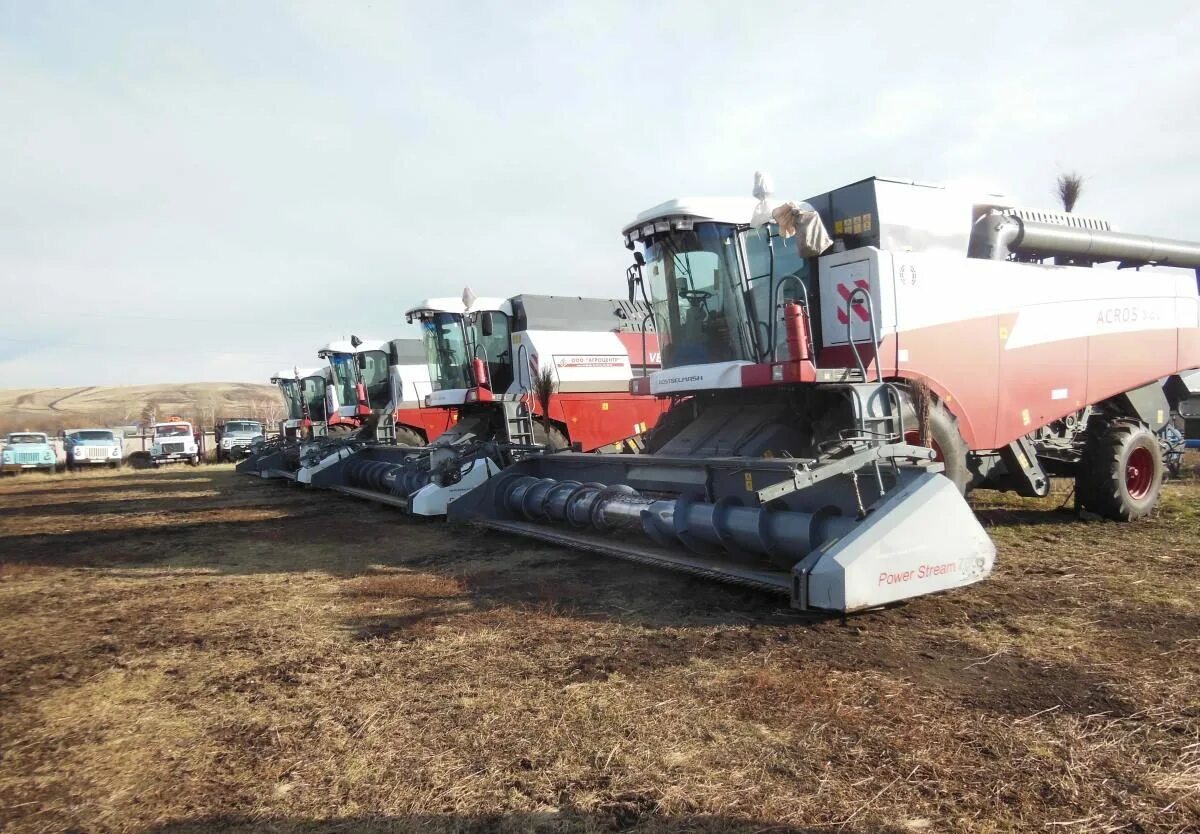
(522, 374)
(843, 369)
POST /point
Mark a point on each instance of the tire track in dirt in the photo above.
(53, 405)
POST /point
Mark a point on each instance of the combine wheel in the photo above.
(1121, 473)
(943, 437)
(553, 438)
(408, 437)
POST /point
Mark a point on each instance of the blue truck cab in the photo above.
(85, 448)
(27, 450)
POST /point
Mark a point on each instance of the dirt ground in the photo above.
(192, 650)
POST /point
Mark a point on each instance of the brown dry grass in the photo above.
(52, 409)
(214, 653)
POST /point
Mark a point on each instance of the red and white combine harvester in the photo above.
(522, 374)
(382, 386)
(370, 390)
(842, 370)
(309, 398)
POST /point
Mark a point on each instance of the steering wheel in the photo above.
(695, 297)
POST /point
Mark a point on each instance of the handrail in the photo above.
(648, 317)
(874, 335)
(774, 336)
(523, 366)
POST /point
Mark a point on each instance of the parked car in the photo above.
(174, 441)
(93, 447)
(237, 437)
(27, 450)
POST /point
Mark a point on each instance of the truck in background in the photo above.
(27, 450)
(174, 441)
(235, 438)
(84, 448)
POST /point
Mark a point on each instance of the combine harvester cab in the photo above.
(845, 368)
(486, 360)
(383, 386)
(309, 398)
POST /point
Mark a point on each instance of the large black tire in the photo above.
(554, 438)
(1121, 473)
(408, 437)
(943, 437)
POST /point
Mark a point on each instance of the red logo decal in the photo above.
(859, 310)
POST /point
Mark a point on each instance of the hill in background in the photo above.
(52, 409)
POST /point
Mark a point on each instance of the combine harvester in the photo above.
(372, 392)
(485, 358)
(821, 382)
(309, 397)
(382, 386)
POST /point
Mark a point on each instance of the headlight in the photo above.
(78, 450)
(114, 452)
(8, 457)
(47, 455)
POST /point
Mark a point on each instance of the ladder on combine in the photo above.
(385, 429)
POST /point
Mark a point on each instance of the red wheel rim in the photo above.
(1139, 473)
(913, 438)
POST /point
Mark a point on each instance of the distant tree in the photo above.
(1068, 188)
(148, 412)
(208, 404)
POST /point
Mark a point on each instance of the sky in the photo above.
(213, 190)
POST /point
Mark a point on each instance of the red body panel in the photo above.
(999, 395)
(595, 420)
(633, 343)
(428, 422)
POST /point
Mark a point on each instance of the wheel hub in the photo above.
(1139, 473)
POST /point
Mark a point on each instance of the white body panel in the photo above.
(305, 473)
(911, 291)
(920, 539)
(842, 274)
(432, 500)
(410, 385)
(698, 377)
(581, 360)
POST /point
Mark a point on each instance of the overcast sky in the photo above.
(210, 190)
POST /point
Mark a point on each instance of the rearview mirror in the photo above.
(486, 325)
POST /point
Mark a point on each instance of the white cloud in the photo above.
(259, 179)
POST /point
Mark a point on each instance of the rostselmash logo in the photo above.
(675, 380)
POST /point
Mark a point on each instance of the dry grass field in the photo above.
(191, 650)
(51, 409)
